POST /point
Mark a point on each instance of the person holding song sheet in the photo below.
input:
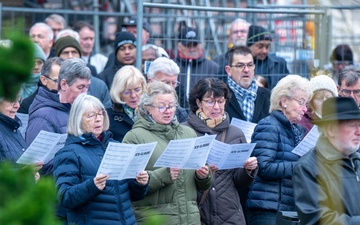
(92, 199)
(221, 203)
(276, 136)
(172, 192)
(12, 143)
(125, 92)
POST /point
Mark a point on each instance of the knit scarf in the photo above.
(245, 97)
(130, 112)
(30, 87)
(211, 123)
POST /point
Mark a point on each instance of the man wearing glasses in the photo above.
(248, 102)
(349, 83)
(48, 80)
(165, 70)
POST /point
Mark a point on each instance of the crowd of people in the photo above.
(96, 99)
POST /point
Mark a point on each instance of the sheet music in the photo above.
(43, 148)
(227, 156)
(124, 161)
(245, 126)
(188, 153)
(308, 142)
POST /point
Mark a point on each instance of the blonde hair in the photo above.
(124, 77)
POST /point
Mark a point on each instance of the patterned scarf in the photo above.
(130, 112)
(211, 123)
(245, 97)
(297, 133)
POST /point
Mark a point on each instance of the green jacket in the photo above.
(176, 200)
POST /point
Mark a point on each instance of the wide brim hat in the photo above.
(338, 109)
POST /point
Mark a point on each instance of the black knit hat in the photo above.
(122, 38)
(257, 33)
(65, 42)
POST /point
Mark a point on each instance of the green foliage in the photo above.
(154, 218)
(22, 201)
(16, 63)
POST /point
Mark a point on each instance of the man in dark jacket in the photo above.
(272, 67)
(48, 80)
(125, 52)
(326, 179)
(248, 102)
(192, 62)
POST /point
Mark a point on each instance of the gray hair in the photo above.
(239, 20)
(287, 87)
(163, 65)
(82, 104)
(148, 46)
(43, 25)
(56, 18)
(47, 67)
(126, 76)
(73, 69)
(350, 74)
(152, 90)
(68, 32)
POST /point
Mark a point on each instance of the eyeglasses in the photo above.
(345, 63)
(135, 91)
(162, 109)
(212, 102)
(54, 80)
(93, 115)
(301, 101)
(347, 93)
(242, 66)
(172, 83)
(18, 100)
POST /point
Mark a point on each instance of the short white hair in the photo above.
(163, 65)
(43, 25)
(68, 32)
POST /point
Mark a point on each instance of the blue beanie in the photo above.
(39, 53)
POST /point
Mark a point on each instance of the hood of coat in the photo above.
(46, 98)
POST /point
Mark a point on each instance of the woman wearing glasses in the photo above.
(276, 136)
(12, 143)
(221, 203)
(125, 92)
(91, 198)
(172, 192)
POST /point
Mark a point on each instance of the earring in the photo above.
(285, 106)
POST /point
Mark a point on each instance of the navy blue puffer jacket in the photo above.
(273, 186)
(75, 167)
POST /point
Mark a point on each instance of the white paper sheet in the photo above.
(245, 126)
(308, 142)
(226, 156)
(188, 153)
(124, 161)
(43, 148)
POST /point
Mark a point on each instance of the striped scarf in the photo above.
(245, 97)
